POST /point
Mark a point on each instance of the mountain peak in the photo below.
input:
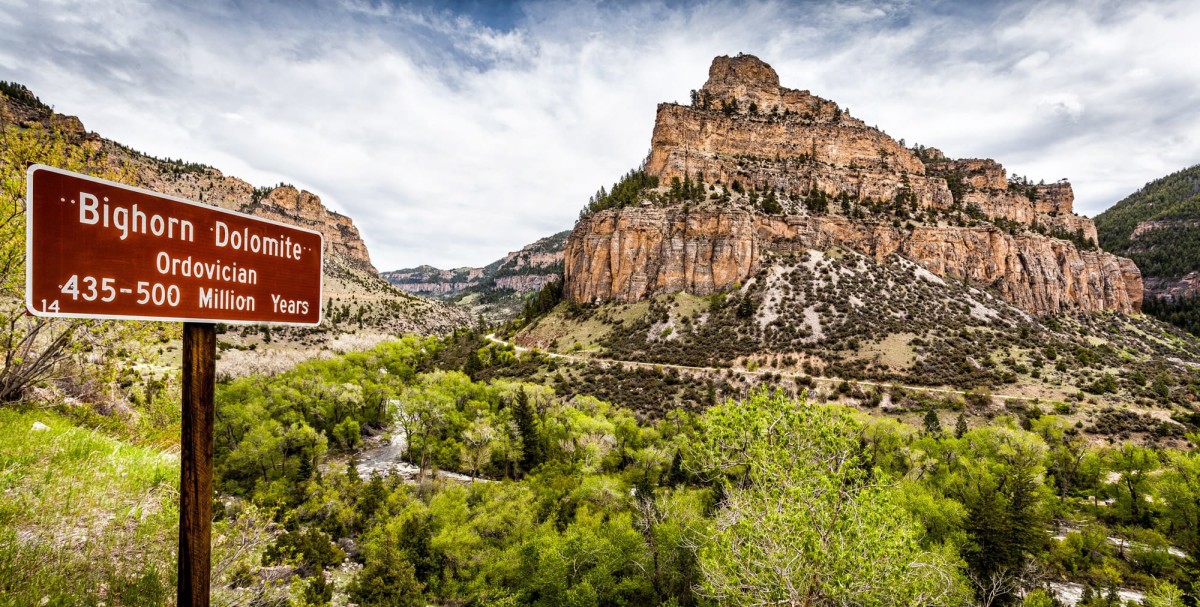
(752, 169)
(742, 69)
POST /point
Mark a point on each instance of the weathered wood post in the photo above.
(195, 460)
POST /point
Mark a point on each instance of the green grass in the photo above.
(85, 519)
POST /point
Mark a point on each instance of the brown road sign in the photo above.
(98, 249)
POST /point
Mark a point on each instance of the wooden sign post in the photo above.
(104, 250)
(195, 460)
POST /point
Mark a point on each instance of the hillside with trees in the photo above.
(1159, 228)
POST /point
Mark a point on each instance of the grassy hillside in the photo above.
(833, 316)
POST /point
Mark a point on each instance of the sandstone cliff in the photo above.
(840, 183)
(629, 254)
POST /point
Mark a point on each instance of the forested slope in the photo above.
(1159, 228)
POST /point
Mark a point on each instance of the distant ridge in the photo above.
(496, 290)
(1158, 227)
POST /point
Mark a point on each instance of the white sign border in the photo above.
(29, 307)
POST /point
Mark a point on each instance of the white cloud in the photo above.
(452, 142)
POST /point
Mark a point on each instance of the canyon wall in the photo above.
(630, 254)
(962, 218)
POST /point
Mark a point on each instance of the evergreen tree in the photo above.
(473, 365)
(526, 419)
(676, 476)
(960, 425)
(388, 579)
(318, 591)
(771, 204)
(933, 425)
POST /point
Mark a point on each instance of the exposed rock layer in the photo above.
(282, 203)
(202, 183)
(744, 127)
(522, 271)
(629, 254)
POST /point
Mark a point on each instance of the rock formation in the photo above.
(523, 271)
(283, 203)
(841, 183)
(629, 254)
(201, 183)
(348, 274)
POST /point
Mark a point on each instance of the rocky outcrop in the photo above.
(743, 126)
(630, 254)
(526, 283)
(342, 240)
(523, 271)
(963, 219)
(1173, 289)
(1145, 227)
(283, 203)
(428, 280)
(343, 243)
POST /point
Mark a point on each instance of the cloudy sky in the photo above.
(455, 132)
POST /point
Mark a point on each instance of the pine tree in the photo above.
(933, 425)
(473, 365)
(523, 413)
(960, 426)
(676, 476)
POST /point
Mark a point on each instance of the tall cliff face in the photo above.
(630, 254)
(838, 183)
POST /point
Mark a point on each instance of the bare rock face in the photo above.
(302, 208)
(1174, 289)
(744, 130)
(630, 254)
(428, 280)
(343, 243)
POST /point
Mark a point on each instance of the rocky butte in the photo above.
(755, 168)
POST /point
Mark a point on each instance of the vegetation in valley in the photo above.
(576, 501)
